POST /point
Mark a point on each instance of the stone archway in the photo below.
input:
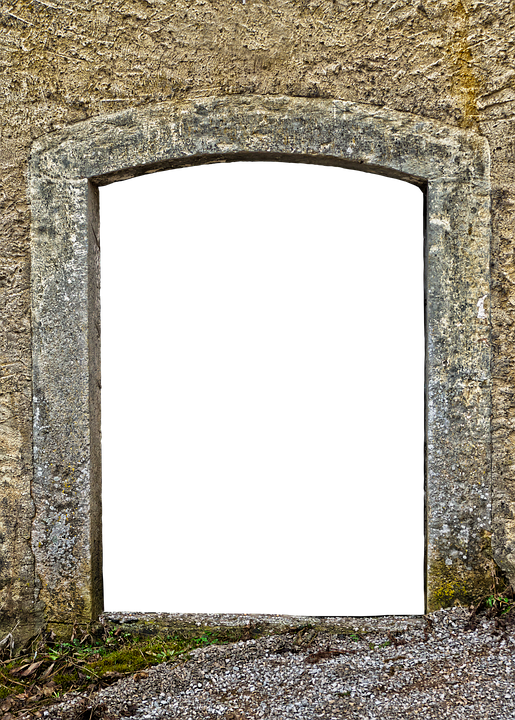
(66, 168)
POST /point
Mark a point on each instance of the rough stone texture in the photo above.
(448, 60)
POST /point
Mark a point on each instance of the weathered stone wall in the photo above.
(64, 62)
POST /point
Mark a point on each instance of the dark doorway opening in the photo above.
(263, 390)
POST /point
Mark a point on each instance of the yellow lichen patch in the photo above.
(455, 584)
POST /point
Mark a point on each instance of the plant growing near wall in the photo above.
(500, 603)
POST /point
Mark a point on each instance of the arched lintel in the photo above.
(212, 159)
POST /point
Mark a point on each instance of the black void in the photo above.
(264, 400)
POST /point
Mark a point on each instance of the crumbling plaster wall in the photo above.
(64, 62)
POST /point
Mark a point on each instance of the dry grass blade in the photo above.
(47, 672)
(7, 643)
(27, 670)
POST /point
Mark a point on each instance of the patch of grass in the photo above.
(500, 603)
(95, 658)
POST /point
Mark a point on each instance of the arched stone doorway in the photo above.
(452, 166)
